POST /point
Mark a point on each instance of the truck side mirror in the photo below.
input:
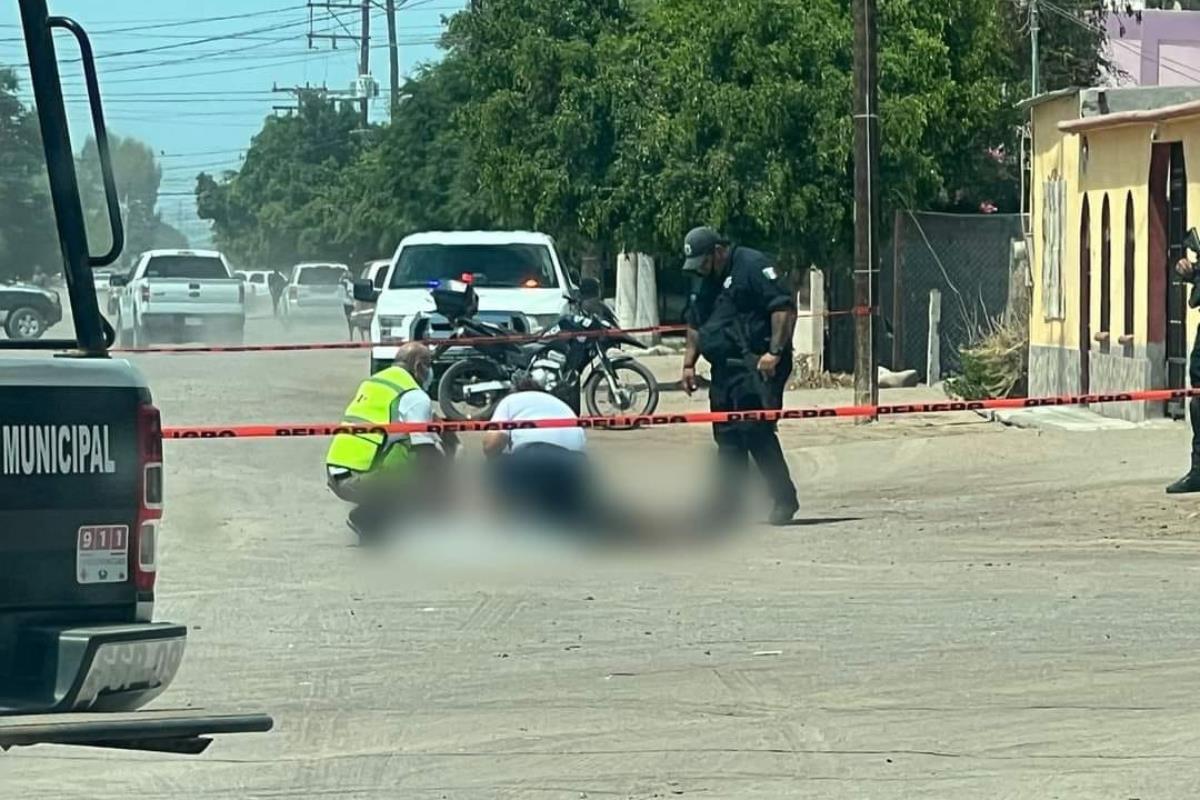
(365, 291)
(1191, 241)
(589, 289)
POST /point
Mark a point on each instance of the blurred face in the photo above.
(714, 263)
(422, 369)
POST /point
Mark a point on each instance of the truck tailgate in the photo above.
(194, 296)
(69, 484)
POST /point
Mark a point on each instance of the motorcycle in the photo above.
(613, 384)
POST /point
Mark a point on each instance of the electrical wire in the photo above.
(1183, 70)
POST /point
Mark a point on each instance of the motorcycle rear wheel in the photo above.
(463, 373)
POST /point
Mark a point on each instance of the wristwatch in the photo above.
(775, 351)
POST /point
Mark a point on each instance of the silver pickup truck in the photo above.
(179, 296)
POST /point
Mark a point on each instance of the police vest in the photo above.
(374, 404)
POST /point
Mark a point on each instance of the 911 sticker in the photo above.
(102, 554)
(770, 273)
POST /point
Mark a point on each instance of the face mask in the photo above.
(427, 381)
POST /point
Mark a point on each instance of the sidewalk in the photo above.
(1058, 418)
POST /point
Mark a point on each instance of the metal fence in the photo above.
(966, 257)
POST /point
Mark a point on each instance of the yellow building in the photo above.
(1109, 199)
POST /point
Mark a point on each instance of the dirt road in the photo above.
(964, 611)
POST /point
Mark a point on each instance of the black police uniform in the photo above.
(732, 314)
(1191, 481)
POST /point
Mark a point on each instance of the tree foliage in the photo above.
(138, 178)
(276, 208)
(28, 235)
(619, 123)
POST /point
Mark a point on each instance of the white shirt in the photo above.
(415, 406)
(521, 406)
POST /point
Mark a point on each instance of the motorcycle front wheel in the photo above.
(456, 404)
(636, 395)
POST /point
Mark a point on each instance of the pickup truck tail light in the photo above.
(144, 545)
(241, 292)
(145, 293)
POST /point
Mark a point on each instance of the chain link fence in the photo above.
(966, 257)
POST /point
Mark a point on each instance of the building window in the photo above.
(1105, 275)
(1130, 276)
(1054, 197)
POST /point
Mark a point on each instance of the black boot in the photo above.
(1187, 484)
(784, 511)
(366, 525)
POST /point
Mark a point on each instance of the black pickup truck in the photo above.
(81, 496)
(28, 310)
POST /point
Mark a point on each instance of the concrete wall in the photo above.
(1156, 46)
(1054, 155)
(1053, 370)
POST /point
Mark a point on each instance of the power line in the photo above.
(178, 23)
(1184, 70)
(189, 59)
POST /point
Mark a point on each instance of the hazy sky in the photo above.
(196, 88)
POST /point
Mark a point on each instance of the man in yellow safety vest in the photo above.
(379, 473)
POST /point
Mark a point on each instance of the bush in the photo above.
(994, 366)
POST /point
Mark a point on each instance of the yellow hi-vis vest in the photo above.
(374, 404)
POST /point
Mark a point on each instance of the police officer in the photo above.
(740, 319)
(1191, 481)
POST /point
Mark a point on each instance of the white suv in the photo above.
(518, 276)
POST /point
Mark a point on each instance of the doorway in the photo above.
(1085, 296)
(1176, 288)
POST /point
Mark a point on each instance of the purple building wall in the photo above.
(1161, 50)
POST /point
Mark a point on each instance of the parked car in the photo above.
(256, 282)
(518, 276)
(28, 310)
(258, 288)
(364, 310)
(180, 295)
(319, 289)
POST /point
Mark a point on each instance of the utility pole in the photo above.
(363, 87)
(1034, 28)
(866, 202)
(364, 57)
(393, 57)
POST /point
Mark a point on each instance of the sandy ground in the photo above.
(964, 610)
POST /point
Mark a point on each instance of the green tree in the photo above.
(274, 210)
(416, 175)
(138, 178)
(538, 119)
(28, 239)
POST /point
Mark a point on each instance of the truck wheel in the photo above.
(138, 337)
(237, 333)
(123, 337)
(24, 324)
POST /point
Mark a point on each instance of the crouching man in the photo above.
(386, 475)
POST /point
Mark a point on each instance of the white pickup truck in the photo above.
(178, 296)
(518, 276)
